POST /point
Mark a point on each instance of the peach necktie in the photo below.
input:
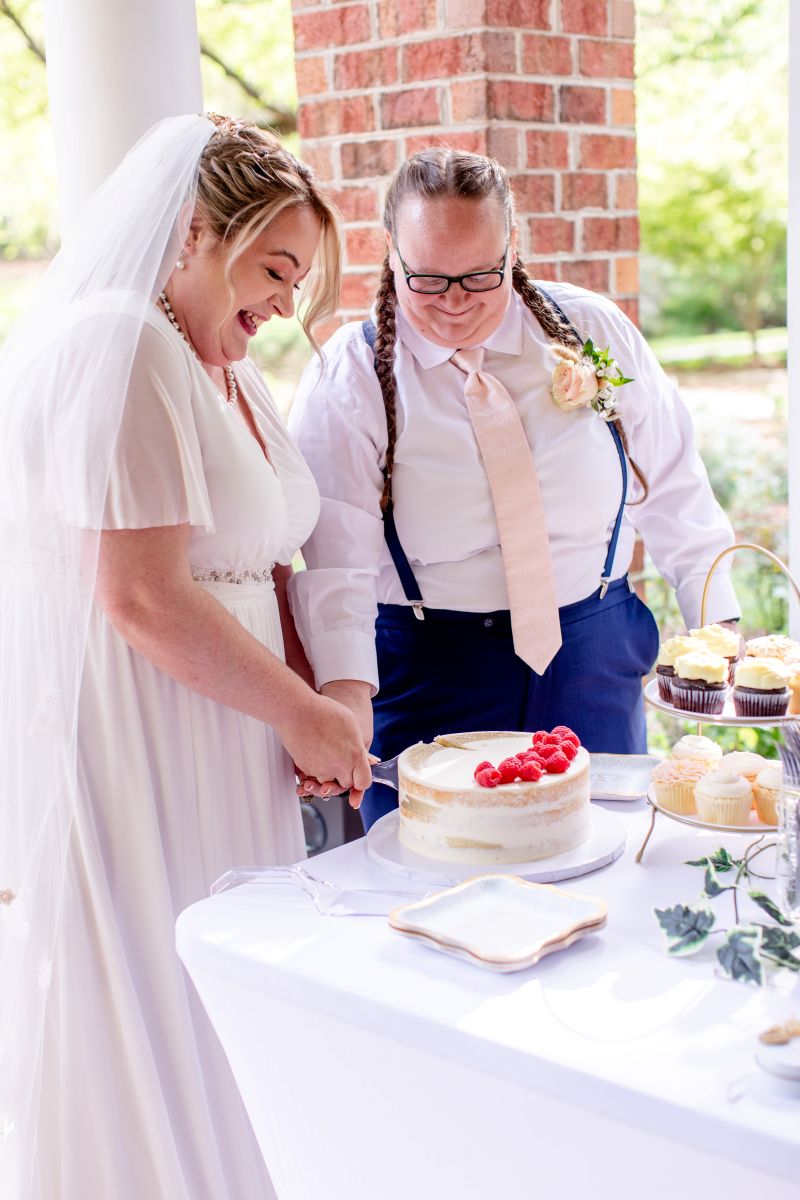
(519, 511)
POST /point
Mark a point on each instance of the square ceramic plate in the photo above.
(620, 776)
(500, 922)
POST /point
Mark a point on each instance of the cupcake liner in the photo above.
(760, 704)
(665, 687)
(724, 810)
(766, 803)
(794, 698)
(698, 700)
(676, 797)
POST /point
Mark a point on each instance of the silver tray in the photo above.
(726, 717)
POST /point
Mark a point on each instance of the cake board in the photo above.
(605, 843)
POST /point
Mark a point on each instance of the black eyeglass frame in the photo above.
(500, 272)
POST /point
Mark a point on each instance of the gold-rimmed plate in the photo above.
(754, 825)
(500, 922)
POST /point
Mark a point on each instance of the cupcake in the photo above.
(698, 748)
(721, 640)
(674, 781)
(700, 682)
(773, 645)
(723, 798)
(668, 651)
(761, 688)
(766, 791)
(793, 683)
(744, 763)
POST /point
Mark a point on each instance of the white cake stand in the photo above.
(605, 843)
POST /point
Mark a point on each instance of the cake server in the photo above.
(386, 773)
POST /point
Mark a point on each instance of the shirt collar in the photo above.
(506, 339)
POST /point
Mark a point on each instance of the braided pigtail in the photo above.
(560, 330)
(385, 303)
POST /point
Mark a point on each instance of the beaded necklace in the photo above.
(230, 378)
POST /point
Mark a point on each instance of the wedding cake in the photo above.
(494, 797)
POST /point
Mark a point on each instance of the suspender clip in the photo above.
(604, 582)
(419, 611)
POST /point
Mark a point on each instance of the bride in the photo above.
(148, 717)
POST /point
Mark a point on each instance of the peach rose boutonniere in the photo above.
(586, 376)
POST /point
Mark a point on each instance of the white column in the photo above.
(114, 67)
(793, 359)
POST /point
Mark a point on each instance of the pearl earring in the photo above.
(180, 264)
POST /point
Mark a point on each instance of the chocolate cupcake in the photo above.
(700, 682)
(761, 688)
(719, 639)
(668, 651)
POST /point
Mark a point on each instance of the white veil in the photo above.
(64, 374)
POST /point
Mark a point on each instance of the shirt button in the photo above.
(488, 622)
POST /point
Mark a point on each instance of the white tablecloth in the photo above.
(375, 1068)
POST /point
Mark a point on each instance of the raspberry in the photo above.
(567, 734)
(509, 769)
(556, 763)
(534, 756)
(551, 739)
(530, 771)
(488, 778)
(482, 766)
(569, 748)
(538, 737)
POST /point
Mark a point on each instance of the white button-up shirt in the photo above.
(443, 507)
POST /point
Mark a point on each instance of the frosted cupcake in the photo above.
(744, 763)
(700, 682)
(723, 798)
(773, 645)
(698, 748)
(721, 640)
(761, 688)
(793, 684)
(766, 792)
(668, 651)
(674, 781)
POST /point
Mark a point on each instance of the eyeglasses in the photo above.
(478, 281)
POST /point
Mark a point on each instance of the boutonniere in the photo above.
(586, 376)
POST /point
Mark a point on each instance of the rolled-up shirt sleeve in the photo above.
(339, 424)
(680, 521)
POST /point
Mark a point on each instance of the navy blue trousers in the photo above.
(457, 671)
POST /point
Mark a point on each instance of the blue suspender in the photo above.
(402, 565)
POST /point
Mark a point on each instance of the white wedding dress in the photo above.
(138, 1102)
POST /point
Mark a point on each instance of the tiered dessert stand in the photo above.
(727, 717)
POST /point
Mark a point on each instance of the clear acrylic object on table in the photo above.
(328, 898)
(788, 860)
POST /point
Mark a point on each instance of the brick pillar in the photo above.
(546, 86)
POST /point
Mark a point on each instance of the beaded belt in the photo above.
(249, 575)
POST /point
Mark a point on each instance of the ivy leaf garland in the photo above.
(746, 949)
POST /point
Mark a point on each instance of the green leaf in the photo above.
(711, 887)
(618, 382)
(770, 907)
(737, 956)
(686, 928)
(778, 946)
(588, 348)
(720, 860)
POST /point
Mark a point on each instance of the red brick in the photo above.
(473, 141)
(585, 16)
(520, 14)
(358, 290)
(396, 18)
(584, 190)
(587, 273)
(582, 105)
(606, 60)
(544, 270)
(469, 101)
(534, 193)
(509, 99)
(443, 58)
(542, 55)
(611, 233)
(626, 276)
(331, 27)
(626, 191)
(623, 106)
(630, 308)
(413, 106)
(365, 68)
(549, 235)
(360, 160)
(312, 76)
(503, 143)
(325, 118)
(320, 159)
(365, 247)
(606, 151)
(623, 18)
(355, 203)
(463, 14)
(547, 148)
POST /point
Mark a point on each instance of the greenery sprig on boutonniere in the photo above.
(586, 376)
(747, 949)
